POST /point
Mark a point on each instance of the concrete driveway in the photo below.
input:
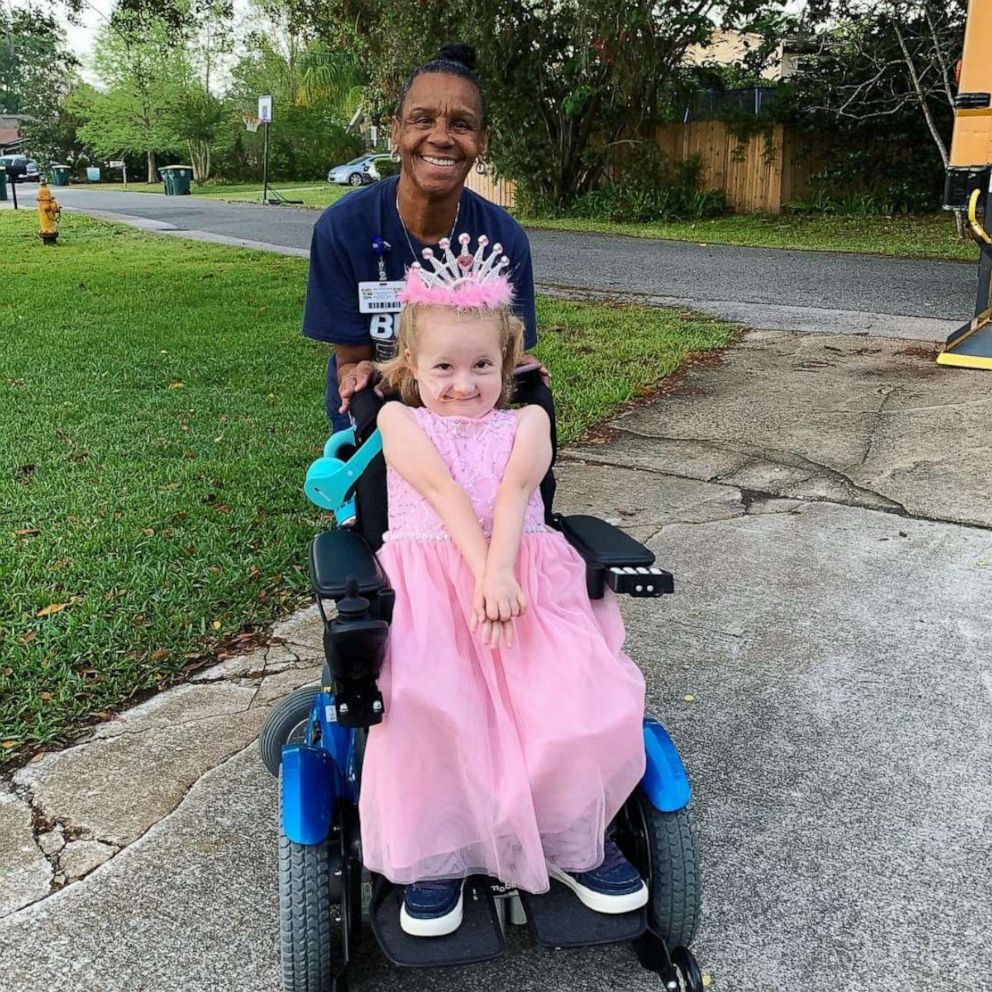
(823, 503)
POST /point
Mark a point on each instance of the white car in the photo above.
(359, 171)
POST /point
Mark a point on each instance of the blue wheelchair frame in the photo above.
(316, 775)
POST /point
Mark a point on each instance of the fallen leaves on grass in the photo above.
(26, 532)
(51, 609)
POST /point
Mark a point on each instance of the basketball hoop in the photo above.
(251, 122)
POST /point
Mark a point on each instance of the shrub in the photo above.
(304, 145)
(651, 188)
(388, 167)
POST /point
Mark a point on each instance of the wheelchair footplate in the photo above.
(478, 939)
(558, 919)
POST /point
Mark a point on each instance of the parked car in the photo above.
(21, 168)
(359, 171)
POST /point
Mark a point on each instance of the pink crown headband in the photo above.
(467, 282)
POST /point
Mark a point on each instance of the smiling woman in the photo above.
(364, 243)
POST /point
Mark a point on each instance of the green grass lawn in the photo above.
(924, 236)
(160, 408)
(313, 194)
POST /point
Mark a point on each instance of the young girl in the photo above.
(512, 731)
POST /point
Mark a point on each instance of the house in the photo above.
(731, 47)
(10, 138)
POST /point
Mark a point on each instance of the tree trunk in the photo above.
(199, 154)
(152, 171)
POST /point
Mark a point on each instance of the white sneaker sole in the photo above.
(596, 901)
(438, 926)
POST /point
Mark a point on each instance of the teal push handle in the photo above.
(331, 479)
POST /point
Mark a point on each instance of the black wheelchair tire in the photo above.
(306, 923)
(285, 724)
(662, 847)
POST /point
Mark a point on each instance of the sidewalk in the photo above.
(823, 666)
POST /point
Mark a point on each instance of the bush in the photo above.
(387, 167)
(303, 144)
(649, 189)
(882, 201)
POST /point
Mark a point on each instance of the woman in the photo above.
(364, 243)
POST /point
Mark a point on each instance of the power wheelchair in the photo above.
(314, 742)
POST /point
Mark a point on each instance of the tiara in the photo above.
(467, 281)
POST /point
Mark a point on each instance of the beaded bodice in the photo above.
(476, 451)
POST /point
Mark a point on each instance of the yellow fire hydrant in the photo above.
(48, 215)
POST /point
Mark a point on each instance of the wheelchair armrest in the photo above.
(613, 558)
(336, 556)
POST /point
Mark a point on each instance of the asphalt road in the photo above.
(765, 288)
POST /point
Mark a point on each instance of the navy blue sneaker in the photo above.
(432, 909)
(613, 887)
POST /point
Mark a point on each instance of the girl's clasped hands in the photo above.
(498, 600)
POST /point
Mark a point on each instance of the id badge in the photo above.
(379, 297)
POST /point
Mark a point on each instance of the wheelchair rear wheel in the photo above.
(663, 849)
(285, 724)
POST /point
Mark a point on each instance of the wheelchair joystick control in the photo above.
(355, 646)
(353, 604)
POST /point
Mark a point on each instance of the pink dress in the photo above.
(494, 761)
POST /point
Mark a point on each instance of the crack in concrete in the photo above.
(748, 498)
(877, 424)
(936, 406)
(118, 848)
(736, 635)
(896, 509)
(784, 458)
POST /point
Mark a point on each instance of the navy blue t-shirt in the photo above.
(341, 256)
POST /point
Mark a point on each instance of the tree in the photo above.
(35, 65)
(202, 120)
(886, 66)
(569, 79)
(52, 134)
(142, 65)
(313, 90)
(36, 73)
(332, 76)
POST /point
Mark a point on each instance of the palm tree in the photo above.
(332, 76)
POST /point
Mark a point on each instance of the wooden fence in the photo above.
(501, 192)
(758, 173)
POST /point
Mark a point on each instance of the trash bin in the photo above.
(165, 174)
(92, 175)
(3, 184)
(182, 176)
(61, 175)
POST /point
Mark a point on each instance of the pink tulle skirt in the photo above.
(498, 761)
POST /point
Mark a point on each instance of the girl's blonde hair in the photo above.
(397, 373)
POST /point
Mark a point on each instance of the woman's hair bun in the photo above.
(458, 52)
